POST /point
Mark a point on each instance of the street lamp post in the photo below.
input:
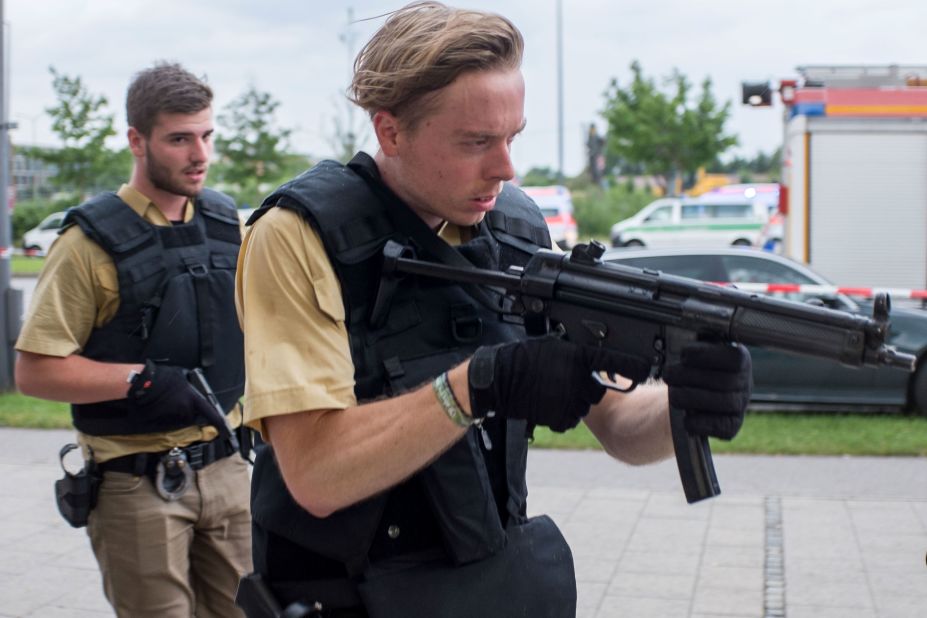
(11, 300)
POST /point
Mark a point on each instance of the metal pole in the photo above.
(11, 305)
(560, 91)
(348, 37)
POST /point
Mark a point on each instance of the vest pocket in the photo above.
(144, 270)
(173, 321)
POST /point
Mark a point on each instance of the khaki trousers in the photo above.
(174, 559)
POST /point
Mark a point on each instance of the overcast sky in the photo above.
(296, 50)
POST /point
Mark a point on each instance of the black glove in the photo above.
(545, 381)
(163, 391)
(712, 382)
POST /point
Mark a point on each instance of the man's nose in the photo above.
(200, 150)
(500, 165)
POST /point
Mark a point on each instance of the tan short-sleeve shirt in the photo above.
(77, 291)
(297, 354)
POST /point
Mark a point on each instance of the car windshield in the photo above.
(52, 222)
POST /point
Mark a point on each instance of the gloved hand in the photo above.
(546, 381)
(712, 382)
(163, 391)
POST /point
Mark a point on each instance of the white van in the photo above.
(705, 222)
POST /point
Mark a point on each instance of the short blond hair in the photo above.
(424, 47)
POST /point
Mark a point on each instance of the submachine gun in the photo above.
(652, 315)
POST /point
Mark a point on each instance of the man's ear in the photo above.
(136, 142)
(387, 129)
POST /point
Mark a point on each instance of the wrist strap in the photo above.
(449, 403)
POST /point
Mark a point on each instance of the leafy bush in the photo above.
(596, 210)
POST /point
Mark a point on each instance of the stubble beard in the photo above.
(160, 177)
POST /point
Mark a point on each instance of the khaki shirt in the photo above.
(297, 355)
(77, 291)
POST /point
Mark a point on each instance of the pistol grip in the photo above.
(693, 456)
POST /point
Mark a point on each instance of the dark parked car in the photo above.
(788, 379)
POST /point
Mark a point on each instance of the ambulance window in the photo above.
(732, 211)
(692, 211)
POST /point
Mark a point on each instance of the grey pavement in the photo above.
(789, 536)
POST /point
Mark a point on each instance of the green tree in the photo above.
(82, 124)
(768, 166)
(668, 133)
(253, 156)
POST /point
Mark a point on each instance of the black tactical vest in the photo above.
(176, 301)
(402, 333)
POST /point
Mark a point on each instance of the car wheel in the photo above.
(634, 243)
(741, 242)
(919, 389)
(32, 250)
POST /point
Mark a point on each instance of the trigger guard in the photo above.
(597, 376)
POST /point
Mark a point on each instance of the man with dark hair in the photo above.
(136, 293)
(398, 416)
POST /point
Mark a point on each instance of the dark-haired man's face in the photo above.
(177, 152)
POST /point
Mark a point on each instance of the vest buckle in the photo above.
(197, 270)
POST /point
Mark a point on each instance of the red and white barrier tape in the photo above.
(770, 288)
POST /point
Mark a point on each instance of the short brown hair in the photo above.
(422, 48)
(164, 88)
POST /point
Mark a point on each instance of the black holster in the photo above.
(76, 494)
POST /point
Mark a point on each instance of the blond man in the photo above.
(398, 413)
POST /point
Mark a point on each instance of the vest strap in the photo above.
(204, 311)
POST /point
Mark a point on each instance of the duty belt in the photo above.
(198, 456)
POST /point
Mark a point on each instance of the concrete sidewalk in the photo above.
(789, 536)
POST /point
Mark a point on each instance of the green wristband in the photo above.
(449, 402)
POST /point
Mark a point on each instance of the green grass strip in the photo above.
(18, 410)
(768, 433)
(25, 266)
